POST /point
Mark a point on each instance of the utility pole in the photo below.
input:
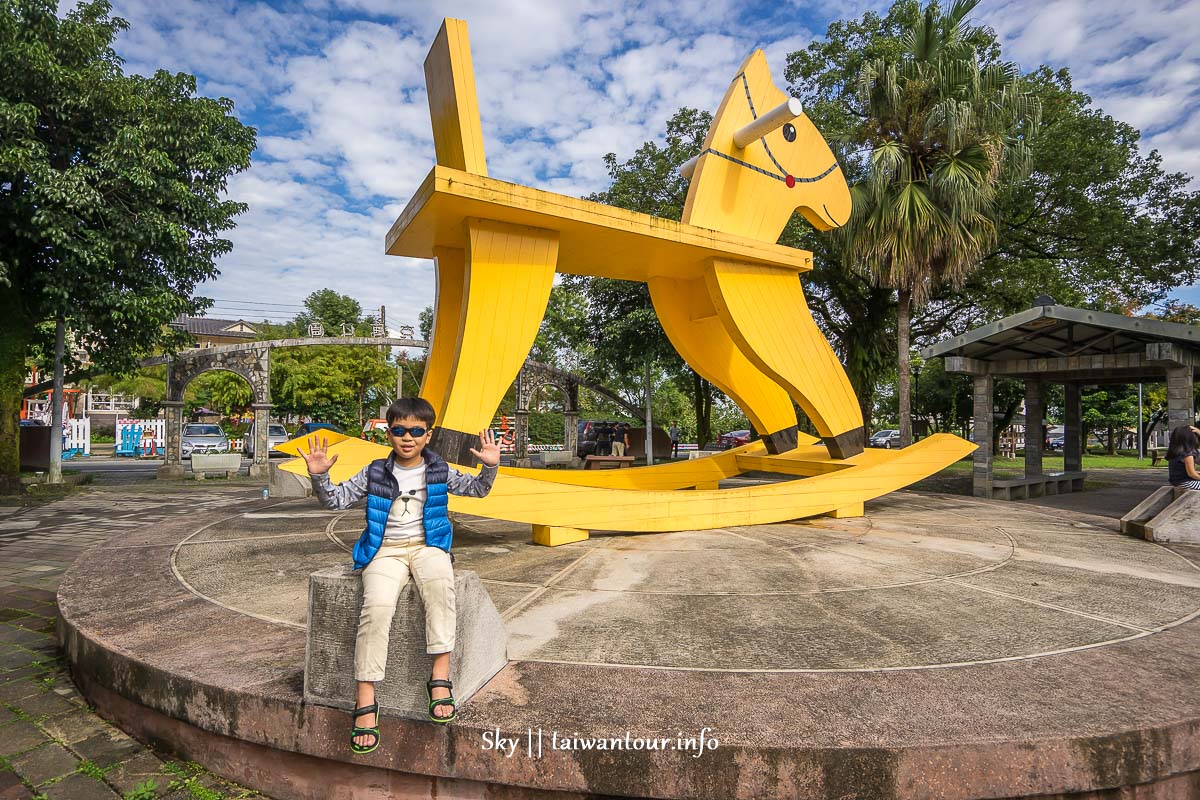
(56, 405)
(649, 420)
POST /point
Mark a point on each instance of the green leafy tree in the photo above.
(331, 309)
(622, 329)
(111, 195)
(1096, 224)
(1109, 411)
(337, 383)
(425, 323)
(946, 130)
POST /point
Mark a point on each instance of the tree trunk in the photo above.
(56, 406)
(1112, 440)
(702, 405)
(649, 418)
(1155, 419)
(1003, 424)
(14, 340)
(903, 382)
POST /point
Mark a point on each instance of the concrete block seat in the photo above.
(1171, 514)
(228, 464)
(1050, 483)
(334, 600)
(561, 458)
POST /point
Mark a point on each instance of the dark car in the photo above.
(733, 439)
(312, 427)
(1055, 443)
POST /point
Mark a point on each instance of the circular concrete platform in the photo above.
(939, 647)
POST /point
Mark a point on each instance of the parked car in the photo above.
(276, 435)
(203, 438)
(886, 439)
(311, 427)
(733, 439)
(1055, 443)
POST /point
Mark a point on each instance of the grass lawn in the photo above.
(956, 478)
(1053, 462)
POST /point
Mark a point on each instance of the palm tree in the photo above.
(945, 132)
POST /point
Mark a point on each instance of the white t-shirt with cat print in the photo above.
(405, 518)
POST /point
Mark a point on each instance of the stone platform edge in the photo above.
(129, 684)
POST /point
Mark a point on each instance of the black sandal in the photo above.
(443, 701)
(356, 731)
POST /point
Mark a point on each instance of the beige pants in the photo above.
(618, 448)
(383, 579)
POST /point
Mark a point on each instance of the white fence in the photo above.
(156, 426)
(78, 435)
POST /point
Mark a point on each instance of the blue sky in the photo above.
(336, 91)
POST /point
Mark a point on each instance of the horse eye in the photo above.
(789, 132)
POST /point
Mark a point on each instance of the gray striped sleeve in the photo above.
(339, 495)
(468, 485)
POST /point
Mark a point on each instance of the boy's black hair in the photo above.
(417, 407)
(1184, 442)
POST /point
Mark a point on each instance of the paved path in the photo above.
(51, 744)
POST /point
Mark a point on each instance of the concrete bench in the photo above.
(334, 601)
(228, 463)
(608, 462)
(548, 458)
(1024, 488)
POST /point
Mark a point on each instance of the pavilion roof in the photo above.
(1056, 331)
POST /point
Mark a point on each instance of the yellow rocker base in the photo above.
(662, 498)
(552, 536)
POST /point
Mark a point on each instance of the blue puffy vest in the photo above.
(381, 493)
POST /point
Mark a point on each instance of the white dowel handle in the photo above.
(775, 118)
(689, 167)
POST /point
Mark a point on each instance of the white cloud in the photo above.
(337, 90)
(1139, 61)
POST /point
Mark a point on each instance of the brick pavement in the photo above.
(52, 745)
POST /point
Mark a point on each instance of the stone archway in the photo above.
(532, 377)
(252, 361)
(253, 364)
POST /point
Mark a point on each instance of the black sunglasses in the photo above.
(399, 430)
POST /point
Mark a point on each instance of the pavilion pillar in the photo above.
(981, 473)
(1072, 429)
(1181, 409)
(1035, 412)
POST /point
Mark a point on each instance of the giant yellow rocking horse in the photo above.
(728, 297)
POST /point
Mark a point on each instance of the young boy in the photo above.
(407, 533)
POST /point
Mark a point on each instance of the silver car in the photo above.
(204, 438)
(276, 434)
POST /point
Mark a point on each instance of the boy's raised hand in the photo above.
(317, 458)
(488, 452)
